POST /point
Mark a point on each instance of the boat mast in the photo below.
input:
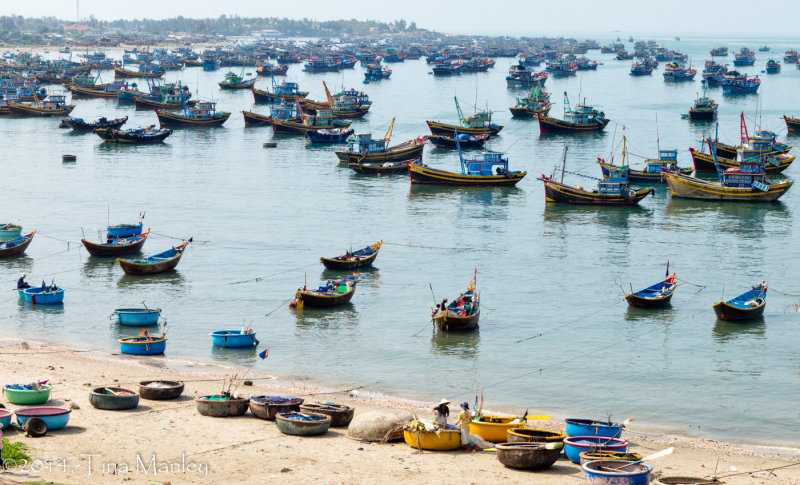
(460, 113)
(460, 157)
(388, 135)
(714, 148)
(743, 130)
(563, 164)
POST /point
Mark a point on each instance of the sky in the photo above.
(498, 17)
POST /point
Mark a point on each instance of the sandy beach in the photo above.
(169, 442)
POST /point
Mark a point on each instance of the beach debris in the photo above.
(247, 383)
(24, 345)
(285, 470)
(72, 405)
(375, 426)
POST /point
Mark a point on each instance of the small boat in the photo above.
(641, 68)
(385, 168)
(272, 70)
(365, 149)
(47, 295)
(52, 418)
(592, 455)
(266, 407)
(491, 170)
(704, 109)
(138, 317)
(376, 72)
(113, 398)
(719, 52)
(334, 135)
(743, 85)
(331, 294)
(537, 102)
(462, 314)
(13, 247)
(763, 48)
(117, 246)
(166, 101)
(158, 263)
(528, 456)
(657, 295)
(437, 440)
(234, 338)
(479, 123)
(494, 428)
(303, 424)
(284, 91)
(618, 472)
(237, 81)
(654, 170)
(465, 140)
(677, 72)
(747, 306)
(773, 67)
(78, 124)
(27, 394)
(203, 114)
(221, 405)
(575, 445)
(591, 427)
(10, 231)
(583, 118)
(54, 105)
(125, 230)
(352, 260)
(340, 414)
(529, 435)
(143, 345)
(160, 390)
(792, 124)
(145, 71)
(745, 57)
(134, 136)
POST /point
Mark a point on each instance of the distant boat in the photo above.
(145, 71)
(477, 124)
(354, 259)
(202, 115)
(581, 119)
(18, 245)
(117, 246)
(747, 306)
(763, 48)
(704, 109)
(657, 295)
(365, 149)
(78, 124)
(158, 263)
(236, 81)
(462, 314)
(745, 57)
(773, 66)
(332, 294)
(285, 91)
(537, 102)
(134, 136)
(54, 105)
(466, 141)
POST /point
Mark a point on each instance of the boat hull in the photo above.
(287, 127)
(647, 302)
(702, 114)
(705, 163)
(555, 125)
(16, 249)
(136, 317)
(792, 124)
(342, 264)
(111, 402)
(725, 311)
(297, 427)
(442, 440)
(255, 119)
(438, 128)
(421, 174)
(322, 301)
(451, 323)
(19, 109)
(171, 119)
(639, 176)
(233, 339)
(39, 297)
(118, 136)
(450, 141)
(518, 112)
(142, 346)
(558, 192)
(134, 268)
(683, 186)
(404, 151)
(97, 249)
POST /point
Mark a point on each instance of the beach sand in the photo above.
(169, 442)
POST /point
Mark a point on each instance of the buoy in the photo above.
(69, 158)
(379, 174)
(269, 144)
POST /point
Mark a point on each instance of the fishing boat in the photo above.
(747, 306)
(677, 71)
(713, 73)
(762, 143)
(462, 314)
(237, 81)
(143, 344)
(613, 190)
(537, 102)
(351, 260)
(272, 69)
(145, 71)
(267, 407)
(234, 338)
(719, 52)
(490, 170)
(583, 118)
(126, 230)
(465, 140)
(79, 124)
(654, 168)
(284, 91)
(385, 168)
(562, 67)
(773, 66)
(479, 123)
(117, 246)
(323, 120)
(745, 57)
(641, 68)
(18, 245)
(9, 231)
(158, 263)
(137, 316)
(376, 72)
(792, 124)
(657, 295)
(791, 56)
(134, 136)
(97, 91)
(448, 67)
(746, 183)
(54, 105)
(741, 85)
(704, 109)
(335, 135)
(282, 112)
(333, 293)
(763, 48)
(44, 295)
(365, 149)
(203, 114)
(759, 147)
(520, 76)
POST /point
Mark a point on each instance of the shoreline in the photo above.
(311, 387)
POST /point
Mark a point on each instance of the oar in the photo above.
(656, 455)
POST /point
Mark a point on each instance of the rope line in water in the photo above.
(442, 248)
(56, 239)
(259, 278)
(568, 323)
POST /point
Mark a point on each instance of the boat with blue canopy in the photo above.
(13, 247)
(284, 91)
(654, 169)
(158, 263)
(365, 149)
(583, 118)
(747, 306)
(354, 259)
(203, 114)
(657, 295)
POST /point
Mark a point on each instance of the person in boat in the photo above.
(53, 287)
(21, 283)
(463, 421)
(44, 286)
(442, 413)
(443, 306)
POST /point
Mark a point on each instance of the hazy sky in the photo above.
(513, 17)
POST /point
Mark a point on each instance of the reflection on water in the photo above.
(464, 345)
(664, 315)
(100, 267)
(726, 331)
(242, 356)
(132, 282)
(741, 219)
(332, 318)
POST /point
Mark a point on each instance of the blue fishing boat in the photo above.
(158, 263)
(48, 295)
(657, 295)
(677, 71)
(654, 170)
(54, 418)
(591, 427)
(234, 338)
(490, 170)
(773, 66)
(741, 85)
(562, 68)
(745, 57)
(281, 92)
(640, 68)
(202, 114)
(365, 149)
(137, 316)
(583, 118)
(376, 72)
(125, 230)
(143, 345)
(16, 246)
(747, 306)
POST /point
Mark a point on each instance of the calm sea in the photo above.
(555, 334)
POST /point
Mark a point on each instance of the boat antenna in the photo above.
(563, 164)
(658, 137)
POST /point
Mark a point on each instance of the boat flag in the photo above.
(667, 275)
(264, 354)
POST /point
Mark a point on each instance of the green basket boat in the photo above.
(28, 396)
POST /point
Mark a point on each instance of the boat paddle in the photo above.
(651, 457)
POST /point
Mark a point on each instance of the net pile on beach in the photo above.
(374, 426)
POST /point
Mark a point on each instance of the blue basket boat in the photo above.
(54, 417)
(9, 231)
(5, 418)
(137, 316)
(575, 445)
(233, 339)
(124, 230)
(143, 345)
(616, 472)
(590, 427)
(44, 296)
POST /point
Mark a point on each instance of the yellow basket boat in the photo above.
(444, 440)
(495, 428)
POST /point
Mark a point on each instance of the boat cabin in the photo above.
(480, 119)
(203, 110)
(617, 181)
(284, 112)
(323, 119)
(55, 101)
(584, 115)
(749, 174)
(490, 164)
(667, 159)
(286, 88)
(361, 142)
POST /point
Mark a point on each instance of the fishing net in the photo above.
(374, 426)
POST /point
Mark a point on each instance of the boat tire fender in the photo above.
(35, 427)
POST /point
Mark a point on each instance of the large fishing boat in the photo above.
(376, 72)
(54, 105)
(582, 119)
(745, 57)
(323, 120)
(477, 124)
(236, 81)
(677, 71)
(203, 114)
(704, 109)
(773, 66)
(521, 76)
(654, 170)
(134, 136)
(365, 149)
(719, 52)
(145, 71)
(740, 84)
(792, 124)
(284, 91)
(537, 102)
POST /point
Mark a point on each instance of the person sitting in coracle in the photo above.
(21, 283)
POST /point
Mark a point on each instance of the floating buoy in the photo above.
(269, 144)
(69, 158)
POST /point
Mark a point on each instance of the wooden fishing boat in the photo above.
(47, 295)
(158, 263)
(302, 424)
(479, 123)
(284, 91)
(365, 149)
(340, 414)
(202, 115)
(536, 103)
(54, 105)
(282, 112)
(13, 247)
(775, 162)
(134, 136)
(657, 295)
(583, 118)
(354, 259)
(792, 124)
(145, 71)
(654, 168)
(462, 314)
(704, 109)
(117, 246)
(490, 170)
(272, 70)
(346, 104)
(336, 135)
(236, 81)
(143, 345)
(385, 168)
(465, 140)
(160, 390)
(376, 72)
(323, 120)
(78, 124)
(747, 306)
(221, 405)
(267, 407)
(331, 294)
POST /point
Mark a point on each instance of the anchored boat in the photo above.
(158, 263)
(354, 259)
(479, 123)
(461, 314)
(13, 247)
(747, 306)
(331, 294)
(365, 149)
(583, 118)
(657, 295)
